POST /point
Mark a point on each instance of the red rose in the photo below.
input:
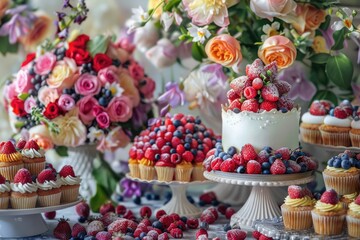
(101, 61)
(29, 58)
(18, 107)
(80, 42)
(51, 111)
(79, 55)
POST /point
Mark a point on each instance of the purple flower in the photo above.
(298, 76)
(139, 116)
(67, 4)
(171, 98)
(60, 16)
(130, 188)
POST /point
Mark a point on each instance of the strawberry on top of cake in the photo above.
(8, 153)
(31, 150)
(317, 112)
(23, 182)
(47, 180)
(67, 176)
(299, 197)
(4, 185)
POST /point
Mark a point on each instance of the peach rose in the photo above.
(114, 51)
(307, 18)
(47, 95)
(4, 5)
(279, 49)
(127, 83)
(64, 74)
(41, 135)
(224, 49)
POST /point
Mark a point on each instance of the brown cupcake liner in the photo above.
(69, 193)
(311, 135)
(134, 170)
(336, 138)
(49, 200)
(342, 185)
(147, 172)
(328, 225)
(198, 174)
(35, 168)
(183, 174)
(10, 171)
(296, 219)
(23, 202)
(353, 226)
(355, 139)
(165, 174)
(4, 202)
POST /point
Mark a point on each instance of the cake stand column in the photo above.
(234, 195)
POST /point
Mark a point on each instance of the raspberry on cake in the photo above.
(10, 160)
(48, 188)
(23, 190)
(70, 184)
(33, 157)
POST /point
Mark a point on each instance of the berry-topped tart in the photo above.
(172, 148)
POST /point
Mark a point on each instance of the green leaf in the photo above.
(198, 52)
(325, 95)
(61, 151)
(172, 3)
(98, 44)
(99, 198)
(339, 70)
(6, 46)
(23, 96)
(339, 37)
(105, 176)
(320, 58)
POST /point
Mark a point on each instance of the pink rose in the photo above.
(103, 120)
(86, 106)
(147, 87)
(120, 109)
(66, 102)
(114, 140)
(108, 75)
(127, 45)
(45, 63)
(136, 71)
(23, 82)
(10, 91)
(272, 8)
(87, 84)
(29, 103)
(47, 95)
(97, 110)
(163, 54)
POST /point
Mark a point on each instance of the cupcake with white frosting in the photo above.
(33, 157)
(4, 193)
(353, 218)
(23, 190)
(49, 192)
(355, 132)
(70, 184)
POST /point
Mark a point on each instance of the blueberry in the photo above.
(149, 196)
(240, 169)
(103, 101)
(156, 197)
(201, 203)
(330, 162)
(74, 238)
(81, 235)
(231, 151)
(204, 225)
(357, 164)
(197, 120)
(278, 155)
(194, 152)
(303, 166)
(222, 154)
(89, 238)
(142, 235)
(345, 164)
(137, 200)
(37, 86)
(200, 147)
(236, 110)
(190, 199)
(120, 198)
(129, 230)
(218, 144)
(317, 195)
(81, 219)
(227, 227)
(331, 112)
(266, 171)
(286, 163)
(158, 225)
(129, 234)
(183, 219)
(206, 134)
(215, 202)
(344, 157)
(267, 149)
(177, 123)
(352, 162)
(283, 110)
(157, 156)
(265, 165)
(178, 134)
(152, 141)
(187, 146)
(173, 150)
(226, 156)
(337, 163)
(137, 238)
(188, 139)
(216, 153)
(289, 170)
(272, 159)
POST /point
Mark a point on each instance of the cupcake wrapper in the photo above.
(353, 226)
(311, 135)
(328, 225)
(183, 175)
(134, 170)
(296, 220)
(198, 174)
(147, 172)
(35, 168)
(23, 202)
(69, 194)
(336, 139)
(10, 171)
(355, 140)
(4, 202)
(342, 185)
(49, 200)
(165, 174)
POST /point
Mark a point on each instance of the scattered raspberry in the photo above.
(106, 207)
(248, 152)
(76, 229)
(256, 234)
(250, 105)
(128, 214)
(257, 83)
(120, 209)
(232, 95)
(278, 167)
(207, 216)
(103, 236)
(235, 234)
(46, 175)
(253, 167)
(340, 112)
(268, 106)
(317, 109)
(250, 92)
(145, 212)
(228, 166)
(329, 197)
(238, 159)
(50, 215)
(222, 208)
(67, 170)
(285, 153)
(163, 236)
(23, 176)
(295, 192)
(213, 211)
(166, 220)
(121, 225)
(294, 166)
(146, 222)
(187, 156)
(283, 87)
(94, 227)
(160, 213)
(208, 197)
(176, 233)
(192, 223)
(108, 218)
(82, 209)
(153, 233)
(235, 104)
(200, 232)
(229, 212)
(270, 93)
(31, 144)
(62, 229)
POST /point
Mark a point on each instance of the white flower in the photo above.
(146, 37)
(137, 19)
(168, 18)
(270, 30)
(199, 34)
(95, 134)
(115, 88)
(346, 15)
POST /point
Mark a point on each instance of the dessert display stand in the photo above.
(178, 203)
(17, 223)
(234, 195)
(261, 203)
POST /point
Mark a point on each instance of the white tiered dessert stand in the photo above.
(178, 203)
(261, 203)
(16, 223)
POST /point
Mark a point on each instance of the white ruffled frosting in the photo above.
(24, 188)
(355, 124)
(5, 187)
(47, 185)
(69, 180)
(334, 121)
(312, 119)
(32, 153)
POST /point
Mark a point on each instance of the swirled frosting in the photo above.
(12, 157)
(355, 124)
(334, 169)
(47, 185)
(299, 202)
(70, 180)
(334, 121)
(312, 119)
(354, 207)
(146, 162)
(325, 207)
(32, 153)
(350, 196)
(24, 188)
(5, 187)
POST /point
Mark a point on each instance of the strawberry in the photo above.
(278, 167)
(207, 216)
(106, 207)
(253, 167)
(67, 170)
(50, 215)
(257, 83)
(256, 234)
(8, 148)
(229, 212)
(20, 144)
(62, 230)
(285, 153)
(232, 95)
(317, 109)
(239, 84)
(46, 175)
(145, 212)
(248, 152)
(214, 211)
(163, 236)
(285, 102)
(235, 234)
(76, 229)
(329, 197)
(200, 232)
(268, 106)
(176, 233)
(160, 213)
(216, 164)
(236, 104)
(250, 105)
(312, 165)
(294, 166)
(32, 144)
(94, 227)
(23, 176)
(82, 209)
(270, 93)
(2, 179)
(283, 87)
(250, 92)
(340, 112)
(357, 200)
(192, 223)
(271, 70)
(295, 192)
(239, 159)
(228, 166)
(120, 209)
(103, 235)
(207, 197)
(108, 218)
(255, 69)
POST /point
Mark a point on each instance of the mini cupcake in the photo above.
(328, 216)
(165, 170)
(147, 170)
(198, 172)
(4, 193)
(33, 157)
(353, 219)
(341, 175)
(70, 184)
(336, 128)
(134, 162)
(347, 199)
(296, 210)
(355, 132)
(10, 161)
(49, 192)
(23, 190)
(183, 171)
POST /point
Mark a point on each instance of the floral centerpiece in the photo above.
(305, 38)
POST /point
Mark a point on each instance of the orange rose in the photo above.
(224, 49)
(278, 48)
(307, 18)
(41, 135)
(4, 5)
(130, 90)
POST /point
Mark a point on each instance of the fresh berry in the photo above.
(208, 197)
(128, 214)
(329, 197)
(271, 70)
(327, 104)
(278, 167)
(232, 95)
(263, 237)
(187, 156)
(62, 230)
(295, 192)
(103, 235)
(250, 105)
(8, 148)
(250, 92)
(160, 213)
(200, 232)
(106, 207)
(163, 236)
(256, 234)
(150, 154)
(208, 217)
(285, 153)
(67, 170)
(23, 176)
(317, 109)
(2, 179)
(255, 69)
(235, 234)
(176, 233)
(46, 175)
(121, 226)
(283, 87)
(192, 223)
(270, 93)
(94, 227)
(216, 163)
(145, 212)
(257, 83)
(313, 165)
(214, 211)
(166, 220)
(253, 167)
(32, 144)
(268, 106)
(239, 84)
(175, 158)
(248, 152)
(222, 208)
(294, 166)
(50, 215)
(229, 212)
(357, 200)
(20, 144)
(307, 192)
(120, 209)
(285, 103)
(228, 166)
(236, 104)
(82, 209)
(76, 229)
(340, 112)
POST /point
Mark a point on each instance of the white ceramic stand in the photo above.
(261, 203)
(18, 223)
(178, 203)
(232, 194)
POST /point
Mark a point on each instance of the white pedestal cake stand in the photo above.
(16, 223)
(261, 203)
(178, 203)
